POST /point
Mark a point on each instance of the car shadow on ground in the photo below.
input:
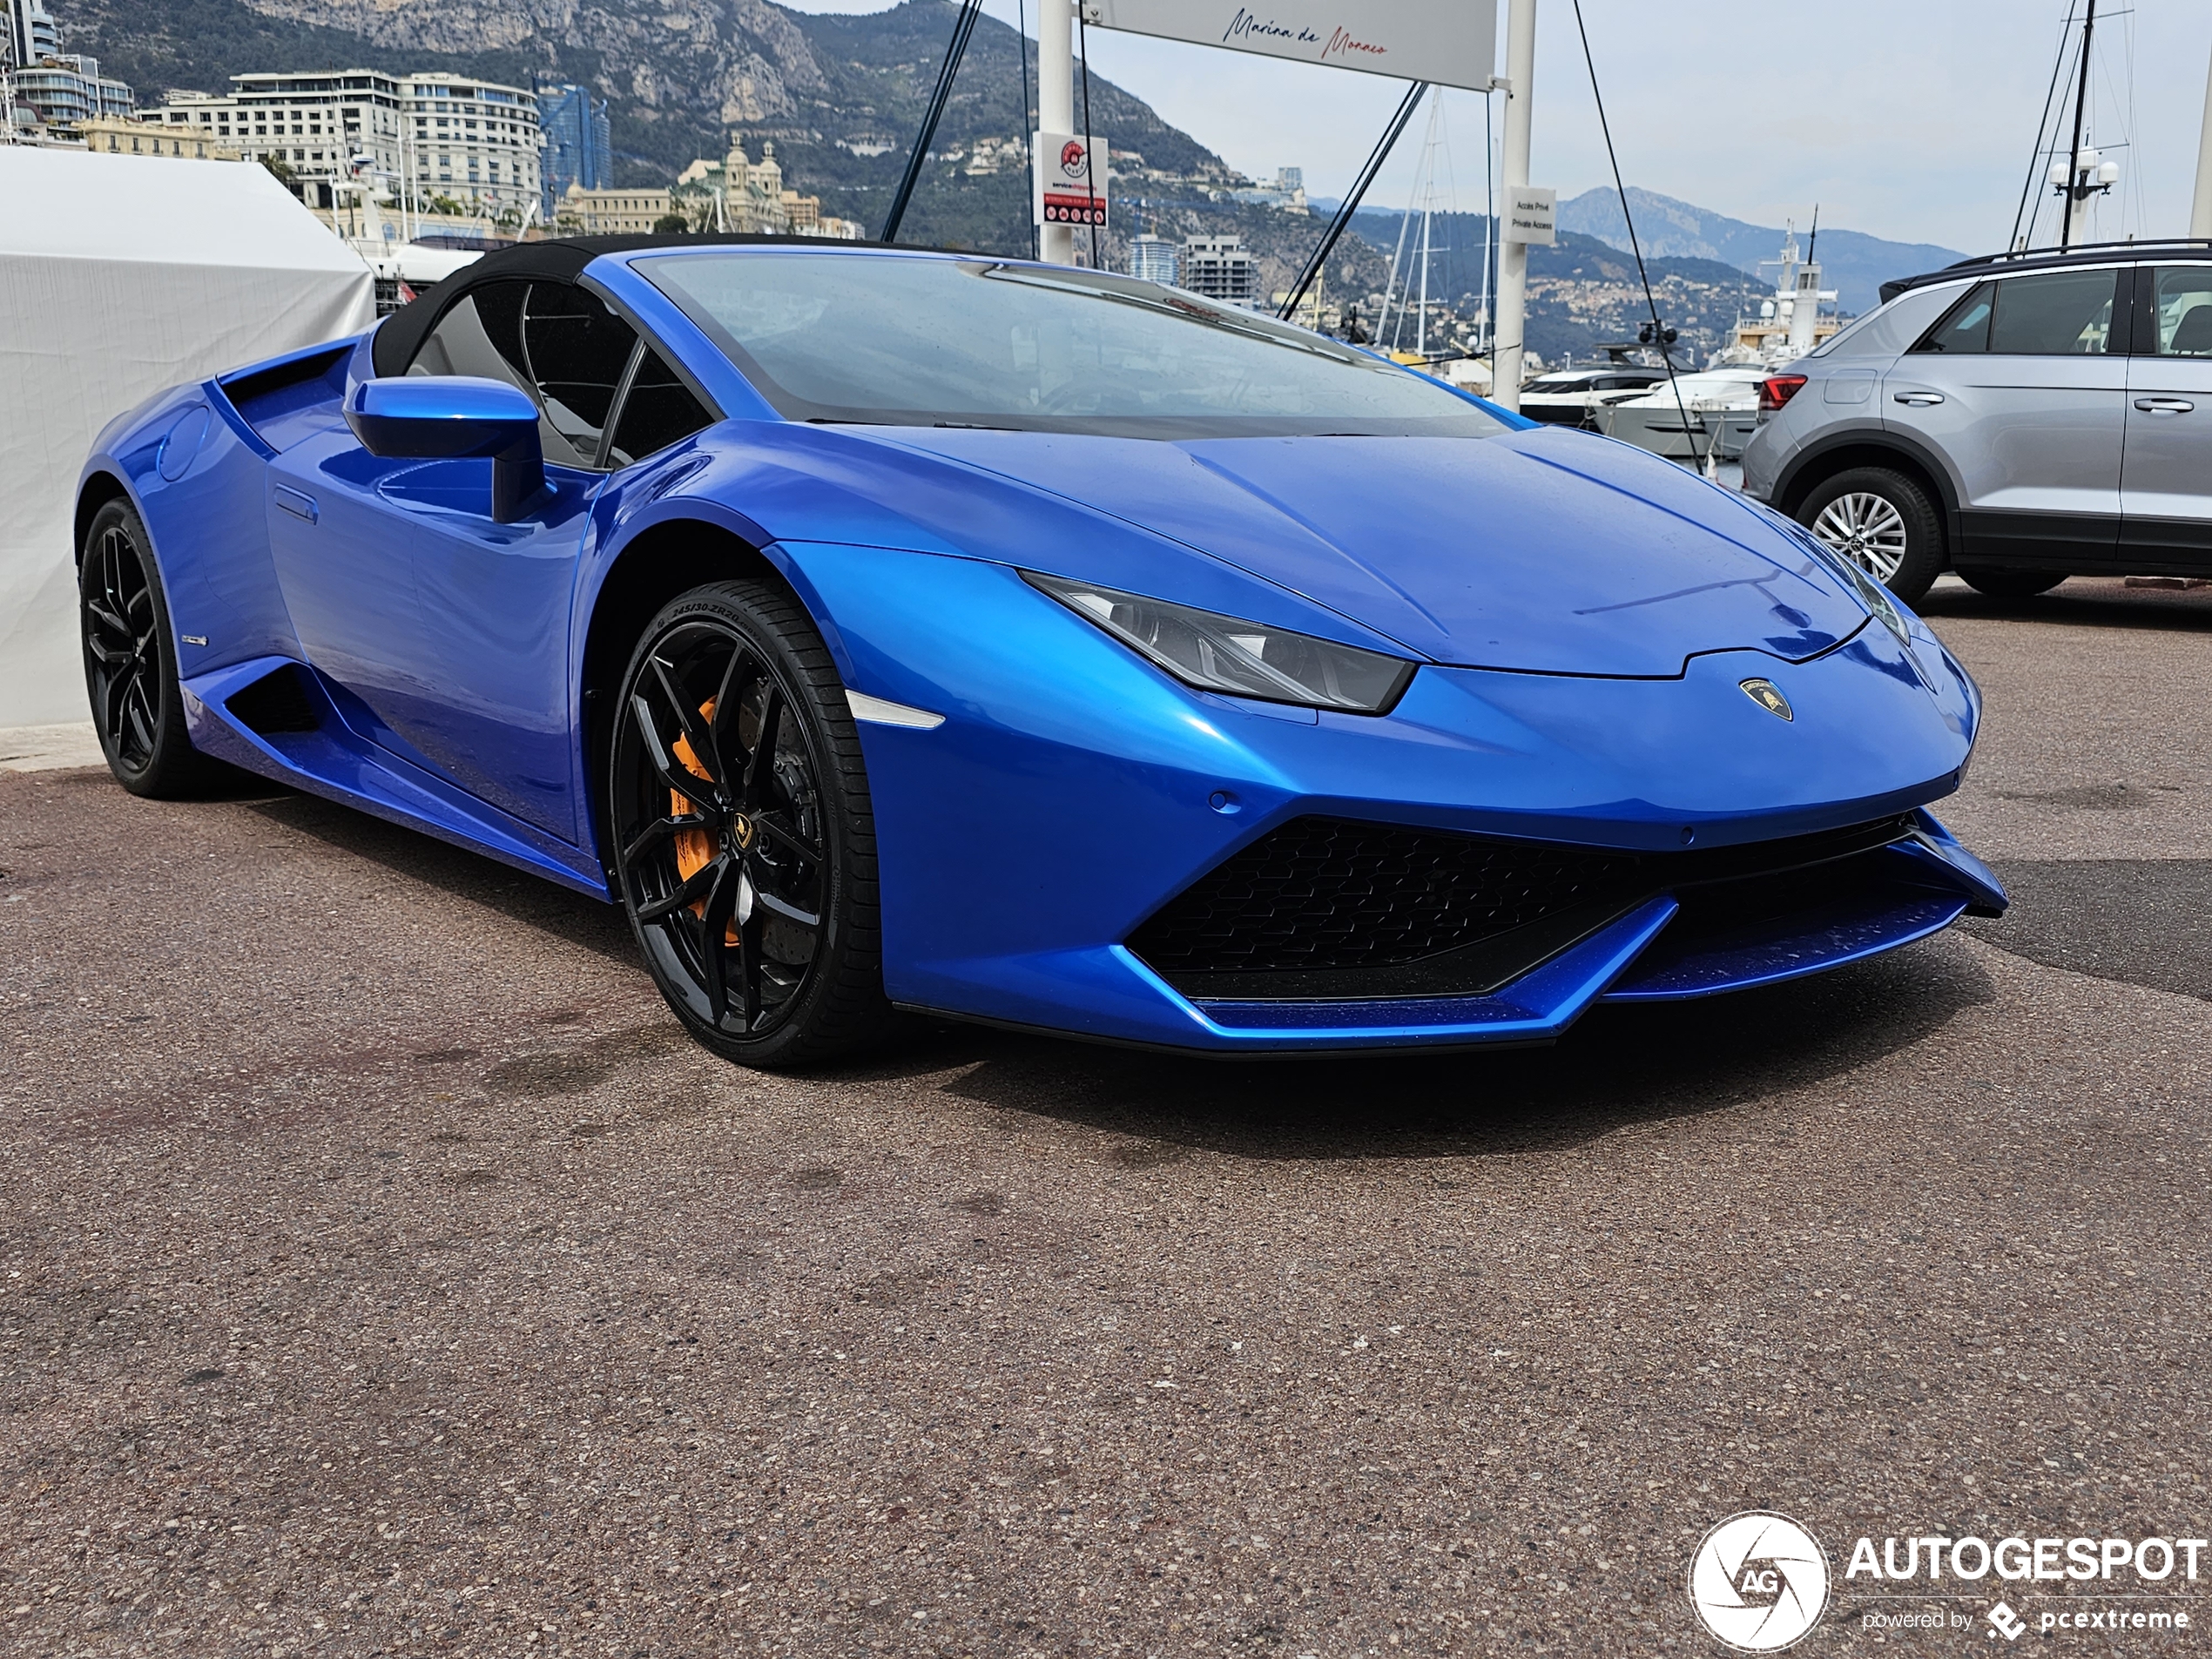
(1617, 1067)
(598, 927)
(2100, 601)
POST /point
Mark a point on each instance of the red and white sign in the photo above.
(1451, 43)
(1071, 181)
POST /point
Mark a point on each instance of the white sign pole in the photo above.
(1513, 256)
(2200, 207)
(1056, 109)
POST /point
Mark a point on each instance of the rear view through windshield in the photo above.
(907, 341)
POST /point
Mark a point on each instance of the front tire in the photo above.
(131, 662)
(1882, 522)
(741, 835)
(2011, 584)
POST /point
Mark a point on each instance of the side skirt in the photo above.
(321, 755)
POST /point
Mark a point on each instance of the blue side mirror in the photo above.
(449, 417)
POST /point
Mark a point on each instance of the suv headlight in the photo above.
(1238, 658)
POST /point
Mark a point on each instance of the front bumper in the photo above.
(1073, 791)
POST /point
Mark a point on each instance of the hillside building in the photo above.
(424, 136)
(115, 135)
(737, 193)
(1221, 268)
(62, 91)
(1153, 258)
(28, 32)
(1288, 192)
(578, 143)
(612, 212)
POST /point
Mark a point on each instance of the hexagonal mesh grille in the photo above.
(1324, 893)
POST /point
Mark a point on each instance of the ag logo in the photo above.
(1759, 1581)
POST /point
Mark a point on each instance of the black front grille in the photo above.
(1323, 893)
(1324, 907)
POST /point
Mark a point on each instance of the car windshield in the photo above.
(919, 340)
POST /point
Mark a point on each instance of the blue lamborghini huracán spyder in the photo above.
(891, 630)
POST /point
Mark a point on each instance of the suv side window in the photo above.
(557, 343)
(2183, 299)
(1964, 328)
(2060, 313)
(2055, 314)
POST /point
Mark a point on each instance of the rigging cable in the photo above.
(2042, 122)
(1029, 120)
(1090, 151)
(1658, 328)
(1489, 239)
(963, 26)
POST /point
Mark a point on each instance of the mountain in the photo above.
(1583, 293)
(840, 96)
(1852, 262)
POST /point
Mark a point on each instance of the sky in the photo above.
(1909, 119)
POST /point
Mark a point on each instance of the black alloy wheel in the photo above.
(131, 662)
(739, 830)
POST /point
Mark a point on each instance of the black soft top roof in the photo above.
(562, 259)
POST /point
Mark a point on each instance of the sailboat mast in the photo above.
(2074, 152)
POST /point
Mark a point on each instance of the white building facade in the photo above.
(473, 142)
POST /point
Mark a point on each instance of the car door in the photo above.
(2166, 482)
(451, 630)
(2022, 388)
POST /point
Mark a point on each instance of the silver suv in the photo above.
(2018, 419)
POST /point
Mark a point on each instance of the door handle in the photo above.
(1919, 399)
(298, 505)
(2164, 405)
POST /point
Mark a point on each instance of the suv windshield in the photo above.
(919, 340)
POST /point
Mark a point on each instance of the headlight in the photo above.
(1871, 594)
(1216, 653)
(1876, 597)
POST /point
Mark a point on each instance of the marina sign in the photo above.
(1532, 215)
(1450, 42)
(1069, 190)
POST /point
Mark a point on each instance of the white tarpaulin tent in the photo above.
(120, 276)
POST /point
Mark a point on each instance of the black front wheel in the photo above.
(131, 662)
(740, 831)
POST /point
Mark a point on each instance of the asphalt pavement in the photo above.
(380, 1270)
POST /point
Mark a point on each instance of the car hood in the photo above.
(1545, 550)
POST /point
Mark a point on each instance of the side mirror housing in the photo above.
(454, 417)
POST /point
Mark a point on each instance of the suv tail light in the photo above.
(1777, 389)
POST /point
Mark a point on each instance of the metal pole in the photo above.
(2201, 209)
(1055, 108)
(1513, 257)
(2074, 195)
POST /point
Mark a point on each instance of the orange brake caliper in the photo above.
(695, 849)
